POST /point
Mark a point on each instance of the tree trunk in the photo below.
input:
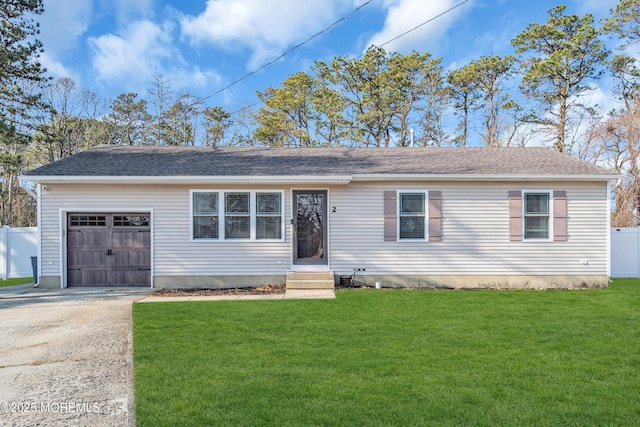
(562, 124)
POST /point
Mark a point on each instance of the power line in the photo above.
(424, 23)
(360, 56)
(246, 107)
(286, 53)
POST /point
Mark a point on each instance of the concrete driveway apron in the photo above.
(66, 356)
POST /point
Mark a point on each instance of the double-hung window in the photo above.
(205, 215)
(536, 214)
(412, 215)
(268, 215)
(237, 215)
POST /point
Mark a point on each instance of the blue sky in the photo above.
(200, 46)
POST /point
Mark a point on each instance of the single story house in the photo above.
(180, 217)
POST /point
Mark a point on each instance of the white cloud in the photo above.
(127, 11)
(600, 98)
(403, 15)
(134, 55)
(193, 78)
(142, 51)
(56, 69)
(63, 23)
(267, 27)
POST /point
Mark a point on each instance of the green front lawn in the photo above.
(15, 281)
(393, 357)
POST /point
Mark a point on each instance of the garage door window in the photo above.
(130, 220)
(88, 220)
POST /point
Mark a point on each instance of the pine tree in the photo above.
(20, 76)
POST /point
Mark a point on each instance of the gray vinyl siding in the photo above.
(78, 198)
(174, 254)
(475, 231)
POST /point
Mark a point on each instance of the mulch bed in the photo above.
(260, 290)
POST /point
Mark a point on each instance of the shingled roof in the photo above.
(156, 161)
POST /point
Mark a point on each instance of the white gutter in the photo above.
(228, 179)
(303, 179)
(479, 177)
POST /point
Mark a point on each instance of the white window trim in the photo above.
(426, 215)
(222, 214)
(220, 217)
(256, 214)
(549, 237)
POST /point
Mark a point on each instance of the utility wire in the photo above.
(424, 23)
(246, 107)
(360, 56)
(286, 53)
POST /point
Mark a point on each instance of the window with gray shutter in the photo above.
(406, 214)
(537, 215)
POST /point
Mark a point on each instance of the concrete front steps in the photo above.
(310, 280)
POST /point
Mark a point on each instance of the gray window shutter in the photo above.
(435, 216)
(515, 215)
(559, 216)
(390, 208)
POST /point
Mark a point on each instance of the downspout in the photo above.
(611, 185)
(39, 255)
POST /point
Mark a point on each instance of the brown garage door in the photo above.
(108, 249)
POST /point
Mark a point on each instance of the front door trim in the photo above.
(309, 265)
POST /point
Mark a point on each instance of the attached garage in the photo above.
(108, 249)
(186, 217)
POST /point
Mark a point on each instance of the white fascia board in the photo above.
(478, 177)
(253, 179)
(304, 179)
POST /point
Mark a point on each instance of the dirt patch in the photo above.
(260, 290)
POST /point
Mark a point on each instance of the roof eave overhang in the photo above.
(303, 179)
(480, 177)
(225, 179)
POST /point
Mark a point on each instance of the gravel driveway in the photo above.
(66, 356)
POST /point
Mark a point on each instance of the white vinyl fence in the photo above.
(625, 252)
(17, 246)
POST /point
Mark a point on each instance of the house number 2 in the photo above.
(333, 209)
